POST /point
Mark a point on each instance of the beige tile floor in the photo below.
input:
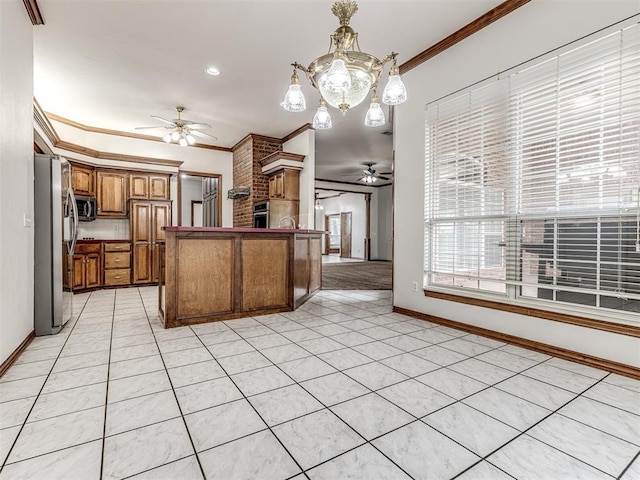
(342, 388)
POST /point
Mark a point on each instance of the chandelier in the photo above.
(345, 76)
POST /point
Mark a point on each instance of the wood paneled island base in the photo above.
(213, 274)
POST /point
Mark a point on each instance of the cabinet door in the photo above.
(276, 185)
(158, 187)
(161, 217)
(141, 239)
(82, 180)
(92, 270)
(138, 185)
(291, 185)
(142, 263)
(78, 271)
(112, 194)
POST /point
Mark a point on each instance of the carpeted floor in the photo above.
(356, 276)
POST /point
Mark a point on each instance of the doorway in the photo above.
(199, 204)
(338, 239)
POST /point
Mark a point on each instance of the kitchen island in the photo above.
(211, 274)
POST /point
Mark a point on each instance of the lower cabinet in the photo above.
(147, 219)
(86, 266)
(117, 264)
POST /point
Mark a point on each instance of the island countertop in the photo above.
(210, 274)
(241, 230)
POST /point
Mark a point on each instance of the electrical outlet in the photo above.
(415, 286)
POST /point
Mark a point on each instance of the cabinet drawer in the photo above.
(117, 247)
(88, 247)
(117, 276)
(117, 260)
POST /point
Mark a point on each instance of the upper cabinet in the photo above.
(285, 184)
(83, 180)
(148, 186)
(112, 193)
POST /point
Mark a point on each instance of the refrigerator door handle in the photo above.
(71, 198)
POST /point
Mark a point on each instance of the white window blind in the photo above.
(533, 180)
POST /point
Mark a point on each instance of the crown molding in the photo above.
(352, 183)
(139, 136)
(298, 131)
(475, 26)
(33, 11)
(43, 122)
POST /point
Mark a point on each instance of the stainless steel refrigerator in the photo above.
(56, 232)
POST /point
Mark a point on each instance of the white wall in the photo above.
(354, 203)
(385, 223)
(532, 30)
(305, 144)
(16, 175)
(191, 190)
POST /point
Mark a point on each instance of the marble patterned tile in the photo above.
(478, 432)
(7, 437)
(81, 361)
(452, 383)
(605, 418)
(371, 415)
(559, 377)
(140, 411)
(450, 331)
(320, 345)
(224, 423)
(131, 387)
(210, 393)
(489, 342)
(301, 335)
(528, 458)
(596, 448)
(306, 368)
(364, 462)
(185, 357)
(439, 355)
(334, 388)
(68, 401)
(137, 366)
(432, 336)
(170, 334)
(285, 327)
(377, 350)
(623, 382)
(375, 375)
(535, 391)
(404, 327)
(27, 370)
(615, 396)
(255, 331)
(243, 362)
(316, 437)
(142, 449)
(484, 471)
(206, 328)
(285, 353)
(526, 353)
(574, 367)
(345, 358)
(284, 404)
(268, 341)
(15, 412)
(44, 436)
(219, 337)
(633, 471)
(379, 333)
(185, 469)
(132, 340)
(506, 360)
(37, 355)
(425, 453)
(228, 349)
(481, 371)
(460, 345)
(409, 364)
(406, 343)
(261, 380)
(47, 341)
(75, 378)
(137, 351)
(194, 373)
(178, 344)
(513, 411)
(331, 329)
(240, 323)
(81, 462)
(415, 397)
(351, 339)
(256, 456)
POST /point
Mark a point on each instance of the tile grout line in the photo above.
(106, 396)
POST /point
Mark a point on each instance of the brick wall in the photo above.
(247, 171)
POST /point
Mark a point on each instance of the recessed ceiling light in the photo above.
(212, 71)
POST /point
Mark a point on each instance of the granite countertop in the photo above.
(240, 230)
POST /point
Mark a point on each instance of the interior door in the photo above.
(345, 234)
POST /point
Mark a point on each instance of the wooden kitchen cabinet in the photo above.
(86, 266)
(148, 186)
(147, 219)
(117, 264)
(285, 184)
(111, 193)
(83, 180)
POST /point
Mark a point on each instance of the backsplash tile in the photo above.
(105, 229)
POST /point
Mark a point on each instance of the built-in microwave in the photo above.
(86, 208)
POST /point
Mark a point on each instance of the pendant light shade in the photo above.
(394, 92)
(294, 100)
(375, 115)
(322, 119)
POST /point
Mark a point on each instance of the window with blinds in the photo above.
(532, 188)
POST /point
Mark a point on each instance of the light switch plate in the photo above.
(27, 222)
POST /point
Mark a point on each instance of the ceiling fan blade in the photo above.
(156, 126)
(385, 173)
(203, 134)
(383, 178)
(196, 126)
(163, 120)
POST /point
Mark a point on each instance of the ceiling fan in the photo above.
(183, 130)
(371, 176)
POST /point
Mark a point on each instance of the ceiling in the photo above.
(113, 63)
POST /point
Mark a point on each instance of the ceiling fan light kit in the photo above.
(183, 131)
(345, 76)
